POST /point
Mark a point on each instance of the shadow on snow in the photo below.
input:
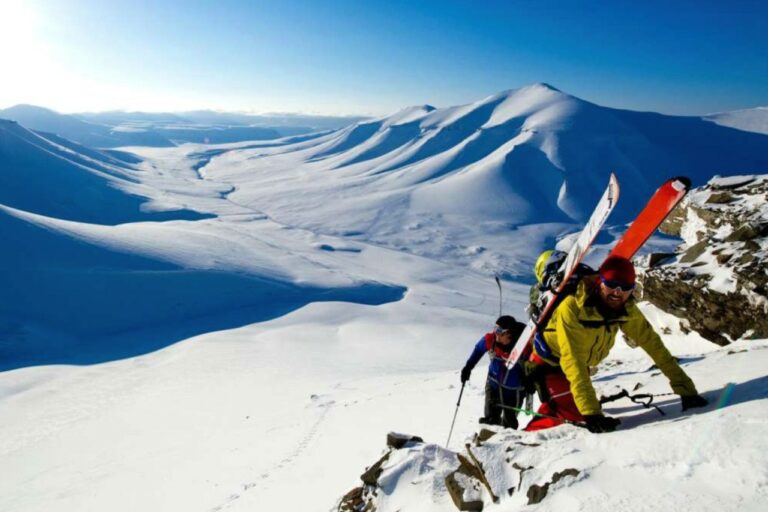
(65, 301)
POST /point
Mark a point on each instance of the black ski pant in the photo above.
(498, 403)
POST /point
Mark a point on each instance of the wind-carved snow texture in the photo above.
(167, 313)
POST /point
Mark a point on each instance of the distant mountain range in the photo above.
(114, 129)
(530, 155)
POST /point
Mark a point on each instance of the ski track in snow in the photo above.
(284, 465)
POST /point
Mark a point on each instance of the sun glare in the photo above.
(24, 57)
(19, 22)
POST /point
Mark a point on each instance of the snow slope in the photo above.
(49, 175)
(707, 459)
(237, 326)
(751, 120)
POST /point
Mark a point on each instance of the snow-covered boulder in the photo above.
(717, 280)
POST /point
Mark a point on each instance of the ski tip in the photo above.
(613, 186)
(682, 181)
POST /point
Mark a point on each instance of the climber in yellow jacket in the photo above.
(580, 334)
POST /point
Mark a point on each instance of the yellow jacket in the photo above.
(580, 337)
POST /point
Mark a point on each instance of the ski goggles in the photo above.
(502, 332)
(613, 285)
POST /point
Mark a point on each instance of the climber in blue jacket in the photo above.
(504, 387)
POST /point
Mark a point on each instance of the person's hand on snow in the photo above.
(692, 401)
(599, 423)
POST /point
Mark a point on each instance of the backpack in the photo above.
(549, 279)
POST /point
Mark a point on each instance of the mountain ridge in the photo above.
(537, 137)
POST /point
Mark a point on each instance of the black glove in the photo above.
(465, 374)
(689, 402)
(598, 423)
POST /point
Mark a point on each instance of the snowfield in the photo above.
(238, 326)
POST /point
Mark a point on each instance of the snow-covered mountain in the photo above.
(750, 120)
(223, 326)
(286, 123)
(114, 129)
(457, 180)
(529, 155)
(48, 175)
(81, 131)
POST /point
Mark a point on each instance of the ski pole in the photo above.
(498, 283)
(455, 413)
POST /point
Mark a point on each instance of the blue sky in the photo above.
(358, 57)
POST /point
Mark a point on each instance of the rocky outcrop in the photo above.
(537, 493)
(363, 498)
(463, 477)
(495, 466)
(717, 279)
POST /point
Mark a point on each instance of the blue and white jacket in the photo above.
(497, 370)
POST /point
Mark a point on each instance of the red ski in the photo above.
(661, 204)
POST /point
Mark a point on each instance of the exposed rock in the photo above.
(694, 252)
(527, 444)
(718, 281)
(674, 222)
(536, 493)
(357, 500)
(521, 470)
(746, 258)
(372, 474)
(709, 313)
(732, 182)
(397, 441)
(720, 198)
(379, 479)
(464, 484)
(748, 231)
(363, 499)
(485, 434)
(659, 257)
(723, 258)
(464, 493)
(475, 468)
